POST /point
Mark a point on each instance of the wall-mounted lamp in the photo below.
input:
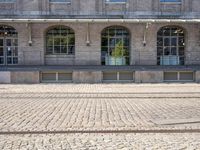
(30, 43)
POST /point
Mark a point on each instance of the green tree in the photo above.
(119, 50)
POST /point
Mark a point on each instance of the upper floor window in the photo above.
(7, 1)
(115, 1)
(170, 0)
(62, 1)
(60, 40)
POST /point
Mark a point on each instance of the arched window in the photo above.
(170, 46)
(8, 45)
(60, 40)
(115, 46)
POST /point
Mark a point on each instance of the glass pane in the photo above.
(1, 51)
(15, 42)
(71, 49)
(57, 49)
(49, 50)
(71, 40)
(160, 32)
(181, 41)
(173, 51)
(174, 32)
(166, 32)
(182, 60)
(9, 51)
(112, 42)
(180, 32)
(64, 41)
(167, 42)
(1, 60)
(160, 51)
(166, 51)
(111, 32)
(64, 32)
(15, 60)
(126, 41)
(56, 31)
(181, 51)
(119, 42)
(173, 41)
(49, 41)
(9, 60)
(126, 52)
(64, 49)
(8, 42)
(104, 42)
(15, 51)
(1, 42)
(57, 41)
(119, 32)
(160, 41)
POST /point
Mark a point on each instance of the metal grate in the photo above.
(179, 76)
(186, 76)
(122, 76)
(56, 77)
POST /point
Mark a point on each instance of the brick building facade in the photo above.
(99, 41)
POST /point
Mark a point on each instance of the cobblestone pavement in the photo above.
(101, 142)
(55, 108)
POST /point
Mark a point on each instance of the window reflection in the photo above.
(115, 46)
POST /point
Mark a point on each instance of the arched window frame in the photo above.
(8, 45)
(110, 36)
(60, 40)
(171, 45)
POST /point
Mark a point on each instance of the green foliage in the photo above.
(119, 50)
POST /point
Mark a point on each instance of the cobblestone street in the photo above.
(100, 116)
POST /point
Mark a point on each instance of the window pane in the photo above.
(166, 42)
(49, 50)
(173, 51)
(57, 41)
(1, 42)
(166, 51)
(173, 41)
(1, 51)
(57, 49)
(181, 41)
(166, 32)
(71, 49)
(49, 41)
(160, 41)
(64, 49)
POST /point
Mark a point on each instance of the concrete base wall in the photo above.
(25, 77)
(148, 76)
(87, 76)
(197, 76)
(84, 77)
(5, 77)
